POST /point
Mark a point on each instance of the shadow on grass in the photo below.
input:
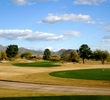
(59, 98)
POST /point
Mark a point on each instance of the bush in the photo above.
(26, 55)
(55, 58)
(74, 57)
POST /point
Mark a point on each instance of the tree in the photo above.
(104, 55)
(65, 55)
(74, 57)
(26, 55)
(101, 55)
(12, 51)
(55, 58)
(3, 55)
(96, 55)
(47, 54)
(84, 52)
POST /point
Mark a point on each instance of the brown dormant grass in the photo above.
(29, 93)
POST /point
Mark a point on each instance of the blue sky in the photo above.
(55, 24)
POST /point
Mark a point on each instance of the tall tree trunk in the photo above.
(83, 61)
(103, 61)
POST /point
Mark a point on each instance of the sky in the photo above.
(55, 24)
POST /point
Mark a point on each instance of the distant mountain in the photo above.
(23, 50)
(58, 52)
(34, 52)
(2, 48)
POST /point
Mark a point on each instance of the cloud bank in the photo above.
(51, 18)
(66, 17)
(29, 35)
(30, 2)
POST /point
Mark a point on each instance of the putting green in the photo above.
(89, 74)
(37, 64)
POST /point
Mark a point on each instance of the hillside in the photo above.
(34, 52)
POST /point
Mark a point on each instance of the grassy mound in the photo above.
(89, 74)
(37, 64)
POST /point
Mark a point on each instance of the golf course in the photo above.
(54, 81)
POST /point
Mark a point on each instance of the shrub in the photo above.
(55, 58)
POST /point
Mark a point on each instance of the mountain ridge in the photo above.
(34, 52)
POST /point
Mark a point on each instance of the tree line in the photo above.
(84, 52)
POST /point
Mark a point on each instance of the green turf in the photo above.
(89, 74)
(60, 98)
(37, 64)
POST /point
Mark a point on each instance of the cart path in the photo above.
(54, 88)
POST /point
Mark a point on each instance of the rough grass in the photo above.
(89, 74)
(37, 64)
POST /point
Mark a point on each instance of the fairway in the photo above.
(89, 74)
(37, 64)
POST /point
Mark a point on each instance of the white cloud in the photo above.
(30, 2)
(51, 18)
(14, 34)
(29, 35)
(89, 2)
(66, 17)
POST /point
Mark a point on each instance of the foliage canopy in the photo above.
(12, 51)
(47, 54)
(85, 52)
(101, 55)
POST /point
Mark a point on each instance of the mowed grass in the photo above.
(89, 74)
(60, 98)
(37, 64)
